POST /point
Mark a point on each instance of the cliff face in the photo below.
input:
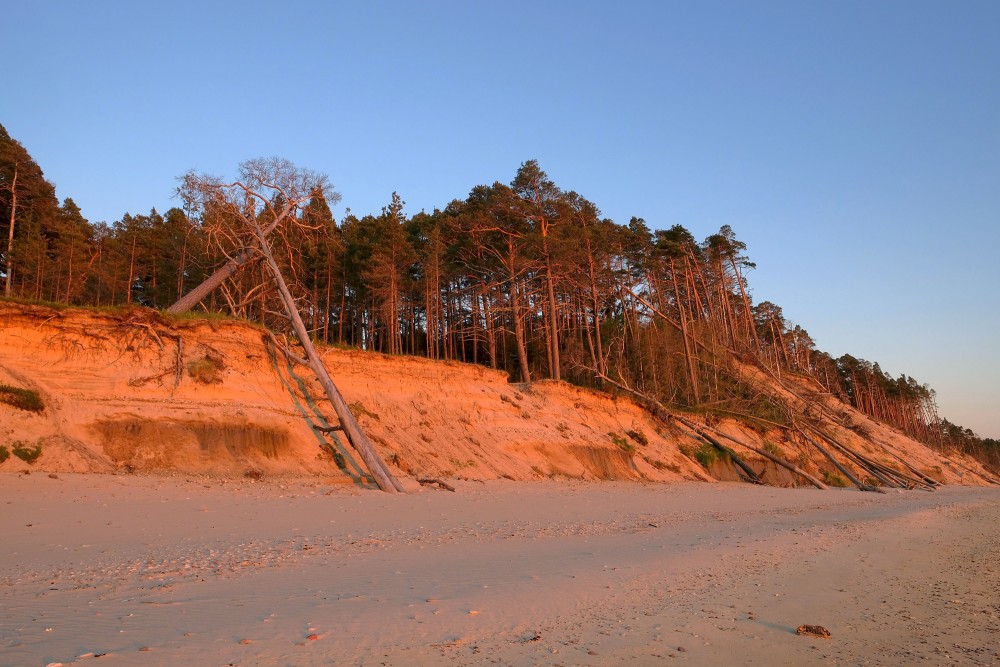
(131, 391)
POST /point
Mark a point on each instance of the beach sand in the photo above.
(170, 570)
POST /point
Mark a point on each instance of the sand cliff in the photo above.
(133, 391)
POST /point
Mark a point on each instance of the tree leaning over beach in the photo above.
(239, 217)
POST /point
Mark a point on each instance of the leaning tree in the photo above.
(239, 218)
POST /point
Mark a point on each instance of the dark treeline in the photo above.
(524, 277)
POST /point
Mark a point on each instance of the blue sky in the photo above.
(854, 146)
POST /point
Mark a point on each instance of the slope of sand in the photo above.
(151, 570)
(122, 392)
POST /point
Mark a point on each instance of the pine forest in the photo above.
(523, 276)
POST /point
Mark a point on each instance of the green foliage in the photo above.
(27, 454)
(769, 409)
(833, 479)
(459, 463)
(22, 399)
(414, 284)
(707, 454)
(622, 443)
(639, 437)
(773, 449)
(199, 316)
(4, 453)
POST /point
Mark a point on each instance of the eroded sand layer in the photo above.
(167, 571)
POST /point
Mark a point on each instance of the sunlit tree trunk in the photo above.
(382, 476)
(9, 278)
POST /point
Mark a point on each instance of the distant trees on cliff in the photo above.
(525, 277)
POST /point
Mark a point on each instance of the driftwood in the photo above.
(430, 481)
(933, 483)
(813, 631)
(885, 474)
(964, 467)
(774, 459)
(859, 460)
(927, 482)
(747, 472)
(657, 409)
(847, 473)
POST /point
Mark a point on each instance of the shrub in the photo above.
(706, 455)
(22, 399)
(358, 409)
(622, 443)
(639, 437)
(27, 454)
(339, 459)
(833, 479)
(206, 370)
(660, 465)
(773, 449)
(4, 453)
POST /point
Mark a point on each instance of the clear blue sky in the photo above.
(854, 146)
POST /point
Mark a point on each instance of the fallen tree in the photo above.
(661, 412)
(237, 209)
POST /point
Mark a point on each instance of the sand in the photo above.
(160, 570)
(120, 395)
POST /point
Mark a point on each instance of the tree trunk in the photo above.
(762, 452)
(378, 469)
(194, 297)
(737, 461)
(182, 268)
(343, 305)
(131, 272)
(746, 302)
(326, 313)
(522, 353)
(10, 236)
(847, 473)
(688, 354)
(555, 363)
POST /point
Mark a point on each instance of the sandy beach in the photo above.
(154, 570)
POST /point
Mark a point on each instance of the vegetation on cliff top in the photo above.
(524, 276)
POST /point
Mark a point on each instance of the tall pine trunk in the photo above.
(9, 278)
